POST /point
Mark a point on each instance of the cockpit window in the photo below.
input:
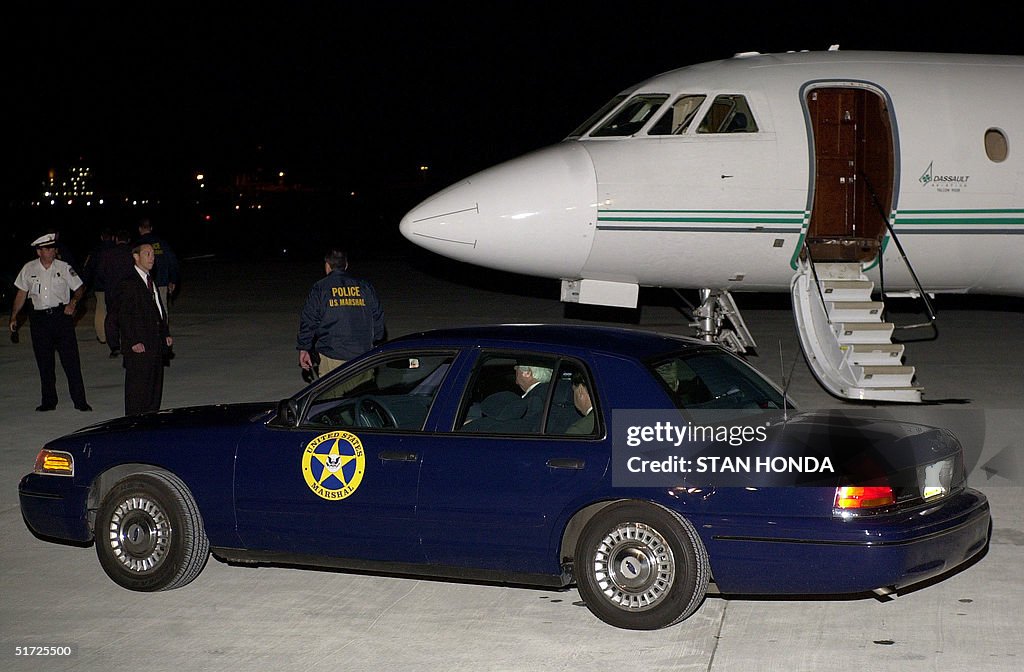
(728, 114)
(598, 116)
(633, 115)
(677, 118)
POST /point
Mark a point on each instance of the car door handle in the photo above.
(397, 456)
(565, 463)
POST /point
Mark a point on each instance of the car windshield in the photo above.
(714, 380)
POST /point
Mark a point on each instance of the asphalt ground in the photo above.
(234, 325)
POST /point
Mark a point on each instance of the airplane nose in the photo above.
(534, 214)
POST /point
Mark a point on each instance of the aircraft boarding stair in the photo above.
(847, 345)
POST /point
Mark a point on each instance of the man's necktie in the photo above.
(149, 282)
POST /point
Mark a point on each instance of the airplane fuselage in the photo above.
(714, 175)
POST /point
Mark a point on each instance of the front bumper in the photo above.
(53, 506)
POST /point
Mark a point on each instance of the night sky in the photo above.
(366, 92)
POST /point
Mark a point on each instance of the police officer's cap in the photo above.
(46, 240)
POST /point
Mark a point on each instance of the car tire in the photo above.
(640, 566)
(149, 533)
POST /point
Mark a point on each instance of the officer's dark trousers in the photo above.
(53, 332)
(143, 381)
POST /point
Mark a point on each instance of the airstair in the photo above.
(847, 344)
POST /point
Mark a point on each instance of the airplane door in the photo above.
(852, 137)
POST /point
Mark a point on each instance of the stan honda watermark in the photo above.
(757, 448)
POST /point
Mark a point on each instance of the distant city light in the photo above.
(200, 177)
(424, 167)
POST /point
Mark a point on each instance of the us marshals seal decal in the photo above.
(333, 464)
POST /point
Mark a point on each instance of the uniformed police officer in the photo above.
(49, 282)
(342, 317)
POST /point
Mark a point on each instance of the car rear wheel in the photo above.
(149, 533)
(641, 567)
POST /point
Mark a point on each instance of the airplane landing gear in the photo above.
(718, 320)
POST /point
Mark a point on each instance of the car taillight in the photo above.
(864, 497)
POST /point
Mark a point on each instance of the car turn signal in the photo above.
(54, 463)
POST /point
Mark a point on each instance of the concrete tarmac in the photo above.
(235, 324)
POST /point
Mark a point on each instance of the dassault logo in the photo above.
(942, 182)
(926, 176)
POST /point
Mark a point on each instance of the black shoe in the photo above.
(114, 354)
(83, 407)
(45, 407)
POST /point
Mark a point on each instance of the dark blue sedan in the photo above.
(512, 454)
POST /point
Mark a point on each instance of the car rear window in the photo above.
(715, 380)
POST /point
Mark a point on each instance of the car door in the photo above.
(496, 496)
(344, 481)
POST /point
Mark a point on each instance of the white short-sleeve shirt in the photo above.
(48, 287)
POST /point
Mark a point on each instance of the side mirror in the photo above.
(287, 413)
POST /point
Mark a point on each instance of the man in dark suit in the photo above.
(114, 266)
(145, 339)
(584, 404)
(534, 382)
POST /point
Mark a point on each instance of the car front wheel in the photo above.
(641, 567)
(149, 533)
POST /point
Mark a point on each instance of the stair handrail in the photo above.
(817, 280)
(932, 316)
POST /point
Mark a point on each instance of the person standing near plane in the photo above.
(166, 273)
(54, 289)
(342, 318)
(115, 264)
(142, 321)
(93, 282)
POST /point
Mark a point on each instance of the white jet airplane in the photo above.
(841, 177)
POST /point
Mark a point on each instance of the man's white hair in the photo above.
(541, 374)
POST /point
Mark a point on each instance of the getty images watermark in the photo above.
(772, 449)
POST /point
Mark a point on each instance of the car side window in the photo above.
(507, 394)
(728, 114)
(529, 394)
(394, 393)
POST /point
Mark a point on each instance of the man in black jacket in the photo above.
(342, 318)
(114, 266)
(145, 339)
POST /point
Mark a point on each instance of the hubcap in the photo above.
(634, 566)
(139, 534)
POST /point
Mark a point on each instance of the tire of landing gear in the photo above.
(641, 567)
(149, 533)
